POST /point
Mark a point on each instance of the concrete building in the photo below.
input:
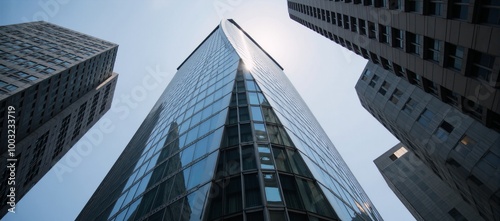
(425, 195)
(448, 48)
(55, 84)
(461, 151)
(229, 139)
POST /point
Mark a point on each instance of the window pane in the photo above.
(252, 190)
(256, 113)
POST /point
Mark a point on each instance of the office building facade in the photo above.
(462, 152)
(425, 195)
(448, 48)
(229, 139)
(55, 84)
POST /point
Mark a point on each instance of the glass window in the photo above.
(372, 30)
(384, 88)
(385, 34)
(246, 133)
(266, 158)
(490, 12)
(260, 132)
(436, 7)
(252, 86)
(425, 118)
(232, 116)
(232, 161)
(409, 106)
(252, 190)
(397, 38)
(414, 6)
(313, 198)
(443, 131)
(242, 99)
(269, 115)
(366, 74)
(362, 27)
(455, 57)
(465, 145)
(298, 164)
(262, 99)
(459, 9)
(374, 80)
(281, 159)
(244, 116)
(248, 157)
(232, 135)
(256, 113)
(434, 50)
(482, 65)
(253, 98)
(291, 192)
(233, 202)
(396, 95)
(271, 189)
(414, 44)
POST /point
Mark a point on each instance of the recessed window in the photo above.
(395, 4)
(354, 24)
(436, 7)
(465, 146)
(385, 34)
(384, 88)
(366, 74)
(397, 38)
(443, 131)
(482, 65)
(414, 79)
(455, 57)
(459, 9)
(490, 12)
(425, 118)
(374, 80)
(414, 6)
(431, 87)
(414, 44)
(396, 96)
(372, 30)
(434, 50)
(409, 106)
(362, 27)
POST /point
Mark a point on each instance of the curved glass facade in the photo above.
(229, 139)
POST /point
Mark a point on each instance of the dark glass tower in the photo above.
(229, 139)
(56, 84)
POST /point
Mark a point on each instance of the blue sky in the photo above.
(155, 36)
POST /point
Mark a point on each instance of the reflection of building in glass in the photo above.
(60, 83)
(243, 146)
(459, 150)
(425, 195)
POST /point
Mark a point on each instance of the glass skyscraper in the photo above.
(229, 139)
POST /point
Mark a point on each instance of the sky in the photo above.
(154, 37)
